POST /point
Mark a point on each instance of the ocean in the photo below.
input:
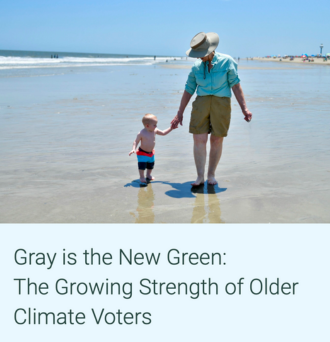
(13, 60)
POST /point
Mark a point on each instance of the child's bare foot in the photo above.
(143, 180)
(199, 181)
(211, 180)
(151, 178)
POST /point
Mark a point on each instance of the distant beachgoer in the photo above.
(146, 153)
(214, 75)
(154, 58)
(51, 56)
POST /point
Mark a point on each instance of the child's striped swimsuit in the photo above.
(145, 159)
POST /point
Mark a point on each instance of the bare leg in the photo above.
(149, 174)
(200, 141)
(142, 179)
(215, 155)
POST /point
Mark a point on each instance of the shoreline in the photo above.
(297, 60)
(185, 66)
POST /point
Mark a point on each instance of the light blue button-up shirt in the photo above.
(219, 81)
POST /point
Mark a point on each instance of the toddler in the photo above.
(146, 153)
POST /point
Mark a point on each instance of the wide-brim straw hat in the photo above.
(203, 44)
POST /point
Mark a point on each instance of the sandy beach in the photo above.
(65, 138)
(318, 61)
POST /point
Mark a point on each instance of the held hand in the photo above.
(174, 124)
(247, 115)
(177, 120)
(131, 152)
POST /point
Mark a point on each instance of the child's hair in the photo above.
(148, 118)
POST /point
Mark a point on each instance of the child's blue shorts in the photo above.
(146, 160)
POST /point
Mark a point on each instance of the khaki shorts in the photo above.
(210, 114)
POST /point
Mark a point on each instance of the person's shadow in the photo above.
(202, 212)
(136, 184)
(185, 190)
(181, 190)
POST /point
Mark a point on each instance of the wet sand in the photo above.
(64, 150)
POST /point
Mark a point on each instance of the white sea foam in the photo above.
(64, 65)
(30, 62)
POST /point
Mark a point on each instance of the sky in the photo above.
(149, 27)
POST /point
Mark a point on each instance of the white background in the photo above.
(293, 253)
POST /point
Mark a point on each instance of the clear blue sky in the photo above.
(246, 28)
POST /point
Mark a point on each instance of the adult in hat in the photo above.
(214, 75)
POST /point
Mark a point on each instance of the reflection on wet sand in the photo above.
(206, 214)
(198, 196)
(145, 213)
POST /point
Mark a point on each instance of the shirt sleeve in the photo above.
(191, 83)
(232, 73)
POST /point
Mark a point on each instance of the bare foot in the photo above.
(199, 181)
(151, 178)
(211, 180)
(143, 180)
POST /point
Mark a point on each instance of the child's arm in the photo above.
(168, 130)
(136, 143)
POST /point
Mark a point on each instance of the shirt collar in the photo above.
(215, 59)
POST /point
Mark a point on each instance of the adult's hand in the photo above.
(177, 120)
(247, 115)
(238, 91)
(179, 117)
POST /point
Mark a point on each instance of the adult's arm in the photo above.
(238, 92)
(183, 104)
